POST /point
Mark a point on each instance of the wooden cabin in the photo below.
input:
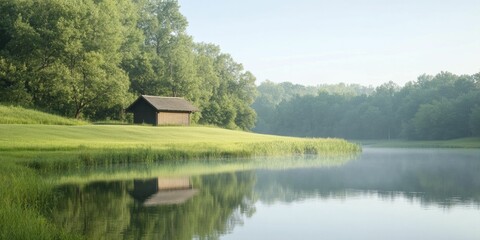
(163, 191)
(158, 110)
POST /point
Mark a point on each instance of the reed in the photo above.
(24, 196)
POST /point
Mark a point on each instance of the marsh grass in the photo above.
(85, 157)
(106, 165)
(19, 115)
(24, 196)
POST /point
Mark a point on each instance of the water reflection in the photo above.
(210, 206)
(442, 177)
(121, 210)
(163, 191)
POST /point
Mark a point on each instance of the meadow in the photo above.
(71, 147)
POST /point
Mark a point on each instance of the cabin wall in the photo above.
(174, 118)
(174, 183)
(144, 113)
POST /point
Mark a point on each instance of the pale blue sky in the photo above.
(353, 41)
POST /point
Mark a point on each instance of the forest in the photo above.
(444, 106)
(89, 59)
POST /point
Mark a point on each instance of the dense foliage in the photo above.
(91, 58)
(444, 106)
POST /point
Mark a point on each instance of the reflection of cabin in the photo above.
(161, 110)
(163, 191)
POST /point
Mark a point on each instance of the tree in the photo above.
(474, 121)
(71, 54)
(167, 66)
(384, 99)
(12, 86)
(231, 96)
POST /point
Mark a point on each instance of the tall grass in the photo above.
(23, 197)
(68, 160)
(19, 115)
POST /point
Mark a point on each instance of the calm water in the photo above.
(383, 194)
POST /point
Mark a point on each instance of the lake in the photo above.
(381, 194)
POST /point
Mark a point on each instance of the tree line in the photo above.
(444, 106)
(91, 58)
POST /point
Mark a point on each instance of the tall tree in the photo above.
(167, 67)
(71, 53)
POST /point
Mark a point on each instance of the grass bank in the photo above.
(19, 115)
(454, 143)
(24, 196)
(160, 143)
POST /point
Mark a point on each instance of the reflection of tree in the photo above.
(219, 206)
(95, 210)
(444, 179)
(107, 210)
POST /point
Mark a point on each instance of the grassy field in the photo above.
(454, 143)
(188, 140)
(19, 115)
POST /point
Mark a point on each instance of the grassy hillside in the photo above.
(121, 136)
(19, 115)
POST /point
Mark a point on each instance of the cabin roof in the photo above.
(167, 103)
(170, 197)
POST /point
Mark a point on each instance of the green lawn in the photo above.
(17, 137)
(120, 136)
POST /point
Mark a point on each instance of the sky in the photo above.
(368, 42)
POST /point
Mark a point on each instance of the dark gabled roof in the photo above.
(167, 103)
